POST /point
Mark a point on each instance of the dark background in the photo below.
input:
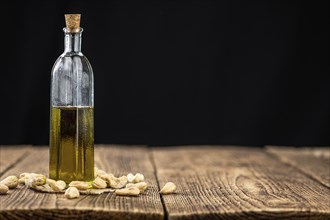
(175, 72)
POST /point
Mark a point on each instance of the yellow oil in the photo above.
(72, 144)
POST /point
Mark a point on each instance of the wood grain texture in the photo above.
(236, 183)
(25, 203)
(315, 161)
(9, 155)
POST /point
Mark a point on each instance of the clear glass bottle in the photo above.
(72, 110)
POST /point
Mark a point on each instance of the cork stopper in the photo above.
(72, 23)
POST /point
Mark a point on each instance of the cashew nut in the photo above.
(142, 186)
(114, 182)
(57, 186)
(117, 183)
(80, 185)
(168, 188)
(72, 192)
(51, 182)
(106, 177)
(135, 178)
(99, 183)
(61, 185)
(34, 179)
(10, 181)
(22, 176)
(3, 189)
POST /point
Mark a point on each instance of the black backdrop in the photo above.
(175, 72)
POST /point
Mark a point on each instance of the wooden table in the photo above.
(219, 182)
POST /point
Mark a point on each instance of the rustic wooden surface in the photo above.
(237, 183)
(9, 156)
(314, 162)
(212, 183)
(119, 160)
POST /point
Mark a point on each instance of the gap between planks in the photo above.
(152, 160)
(312, 162)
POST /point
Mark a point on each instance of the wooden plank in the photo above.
(23, 202)
(236, 183)
(315, 161)
(9, 155)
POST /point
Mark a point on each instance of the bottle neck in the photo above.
(72, 42)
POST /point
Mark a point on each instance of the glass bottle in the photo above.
(72, 110)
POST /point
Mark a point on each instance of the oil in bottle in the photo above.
(72, 143)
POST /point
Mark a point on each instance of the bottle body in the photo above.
(72, 115)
